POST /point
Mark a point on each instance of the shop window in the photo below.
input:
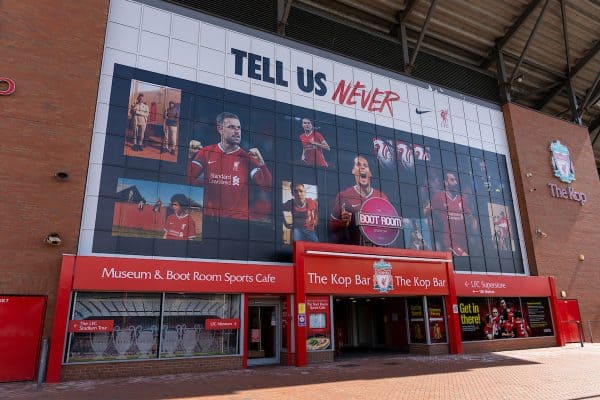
(121, 326)
(319, 325)
(188, 327)
(494, 318)
(131, 326)
(436, 319)
(416, 318)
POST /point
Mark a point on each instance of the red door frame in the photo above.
(84, 273)
(297, 334)
(23, 328)
(440, 259)
(61, 318)
(569, 320)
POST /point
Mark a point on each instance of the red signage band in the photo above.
(221, 324)
(363, 276)
(474, 285)
(131, 274)
(100, 325)
(11, 86)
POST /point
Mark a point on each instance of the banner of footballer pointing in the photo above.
(195, 171)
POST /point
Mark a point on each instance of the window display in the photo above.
(437, 322)
(504, 318)
(416, 320)
(127, 326)
(319, 326)
(184, 329)
(134, 334)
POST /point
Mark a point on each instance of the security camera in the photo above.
(53, 239)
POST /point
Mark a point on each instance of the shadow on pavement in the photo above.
(224, 383)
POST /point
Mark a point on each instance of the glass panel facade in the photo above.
(145, 327)
(292, 173)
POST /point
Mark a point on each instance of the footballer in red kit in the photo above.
(180, 225)
(348, 202)
(304, 213)
(520, 327)
(313, 144)
(448, 210)
(226, 171)
(501, 228)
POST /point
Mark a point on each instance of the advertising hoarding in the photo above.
(204, 132)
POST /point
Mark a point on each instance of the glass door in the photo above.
(263, 333)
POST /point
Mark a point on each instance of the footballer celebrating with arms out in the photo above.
(226, 171)
(348, 202)
(313, 144)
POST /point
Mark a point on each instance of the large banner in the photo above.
(493, 318)
(215, 144)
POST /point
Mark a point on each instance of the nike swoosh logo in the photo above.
(421, 111)
(212, 162)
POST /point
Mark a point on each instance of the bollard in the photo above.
(580, 330)
(42, 363)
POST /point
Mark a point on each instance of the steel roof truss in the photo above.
(528, 43)
(580, 64)
(283, 8)
(501, 42)
(403, 15)
(411, 66)
(572, 93)
(501, 71)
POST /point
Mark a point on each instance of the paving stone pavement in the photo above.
(567, 373)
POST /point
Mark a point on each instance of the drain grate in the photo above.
(349, 365)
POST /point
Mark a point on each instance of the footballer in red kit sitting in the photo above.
(180, 225)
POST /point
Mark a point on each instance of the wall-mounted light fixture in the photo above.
(61, 176)
(532, 187)
(53, 239)
(563, 293)
(540, 232)
(581, 257)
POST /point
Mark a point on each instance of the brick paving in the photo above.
(568, 373)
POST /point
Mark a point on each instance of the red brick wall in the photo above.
(52, 49)
(428, 349)
(318, 357)
(571, 229)
(149, 368)
(284, 358)
(486, 346)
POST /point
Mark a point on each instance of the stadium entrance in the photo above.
(370, 324)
